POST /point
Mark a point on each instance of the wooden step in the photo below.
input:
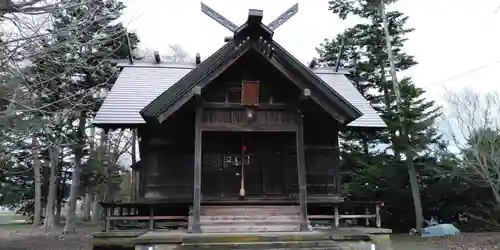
(332, 245)
(249, 228)
(250, 210)
(229, 223)
(250, 213)
(237, 218)
(249, 218)
(250, 207)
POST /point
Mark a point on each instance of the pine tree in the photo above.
(75, 68)
(366, 51)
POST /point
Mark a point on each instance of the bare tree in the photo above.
(28, 7)
(176, 53)
(474, 129)
(116, 145)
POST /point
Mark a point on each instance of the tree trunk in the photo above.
(50, 221)
(96, 208)
(88, 199)
(69, 227)
(38, 183)
(415, 191)
(387, 103)
(87, 203)
(59, 205)
(60, 191)
(98, 197)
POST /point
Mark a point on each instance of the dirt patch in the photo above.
(471, 241)
(465, 241)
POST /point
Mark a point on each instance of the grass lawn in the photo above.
(10, 219)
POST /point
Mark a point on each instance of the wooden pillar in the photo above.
(336, 216)
(367, 220)
(301, 172)
(378, 220)
(197, 170)
(151, 217)
(338, 164)
(107, 221)
(134, 163)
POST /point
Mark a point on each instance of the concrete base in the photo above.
(381, 237)
(339, 239)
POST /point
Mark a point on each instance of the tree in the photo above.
(474, 128)
(38, 183)
(22, 111)
(32, 7)
(366, 51)
(176, 54)
(54, 77)
(101, 41)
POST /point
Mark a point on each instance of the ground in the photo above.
(24, 237)
(466, 241)
(17, 235)
(39, 239)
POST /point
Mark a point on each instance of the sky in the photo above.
(456, 42)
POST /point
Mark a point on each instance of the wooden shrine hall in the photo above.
(248, 131)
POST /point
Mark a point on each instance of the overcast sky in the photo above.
(452, 37)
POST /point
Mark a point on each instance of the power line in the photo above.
(467, 72)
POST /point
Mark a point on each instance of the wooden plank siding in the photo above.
(267, 130)
(171, 175)
(239, 120)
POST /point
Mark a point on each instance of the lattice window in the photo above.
(213, 161)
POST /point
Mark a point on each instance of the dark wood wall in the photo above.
(167, 149)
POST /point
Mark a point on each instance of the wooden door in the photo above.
(220, 177)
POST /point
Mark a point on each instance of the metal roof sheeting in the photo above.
(139, 84)
(344, 87)
(135, 88)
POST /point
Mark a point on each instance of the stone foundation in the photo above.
(339, 239)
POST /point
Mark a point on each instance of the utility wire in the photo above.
(467, 72)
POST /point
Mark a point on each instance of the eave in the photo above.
(165, 100)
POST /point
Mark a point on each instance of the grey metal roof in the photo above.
(344, 87)
(136, 86)
(142, 82)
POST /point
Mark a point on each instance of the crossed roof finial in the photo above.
(232, 27)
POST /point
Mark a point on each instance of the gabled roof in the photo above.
(136, 86)
(186, 81)
(142, 82)
(172, 86)
(172, 99)
(344, 87)
(179, 93)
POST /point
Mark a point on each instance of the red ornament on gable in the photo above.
(250, 93)
(244, 148)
